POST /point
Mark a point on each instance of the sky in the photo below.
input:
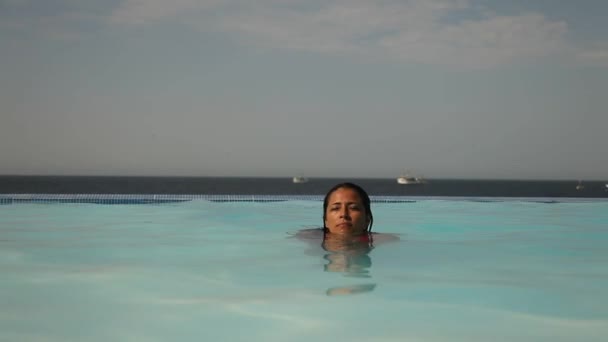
(276, 88)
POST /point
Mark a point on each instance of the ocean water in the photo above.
(463, 270)
(284, 186)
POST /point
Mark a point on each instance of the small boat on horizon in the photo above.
(299, 179)
(407, 179)
(580, 186)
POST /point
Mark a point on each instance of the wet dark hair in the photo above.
(362, 194)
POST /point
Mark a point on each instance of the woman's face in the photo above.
(345, 213)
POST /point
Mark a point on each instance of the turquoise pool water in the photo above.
(203, 271)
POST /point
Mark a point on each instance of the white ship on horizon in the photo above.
(299, 179)
(407, 179)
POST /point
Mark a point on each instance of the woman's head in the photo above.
(347, 210)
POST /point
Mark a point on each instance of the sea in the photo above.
(285, 186)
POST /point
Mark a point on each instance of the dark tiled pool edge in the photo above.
(165, 198)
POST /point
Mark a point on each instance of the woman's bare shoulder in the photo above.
(385, 237)
(317, 234)
(309, 233)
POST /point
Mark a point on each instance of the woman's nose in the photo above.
(344, 213)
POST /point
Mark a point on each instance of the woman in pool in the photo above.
(347, 220)
(346, 237)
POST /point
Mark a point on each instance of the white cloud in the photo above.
(64, 21)
(486, 42)
(415, 31)
(594, 56)
(145, 11)
(410, 31)
(445, 32)
(16, 2)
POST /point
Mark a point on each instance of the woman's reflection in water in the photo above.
(346, 236)
(350, 257)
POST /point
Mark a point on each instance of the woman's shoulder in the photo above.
(384, 237)
(318, 233)
(310, 233)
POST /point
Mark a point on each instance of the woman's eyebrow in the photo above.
(347, 203)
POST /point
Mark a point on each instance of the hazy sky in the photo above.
(353, 88)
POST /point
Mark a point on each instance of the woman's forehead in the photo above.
(345, 195)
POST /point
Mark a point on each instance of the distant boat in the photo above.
(407, 179)
(299, 179)
(580, 186)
